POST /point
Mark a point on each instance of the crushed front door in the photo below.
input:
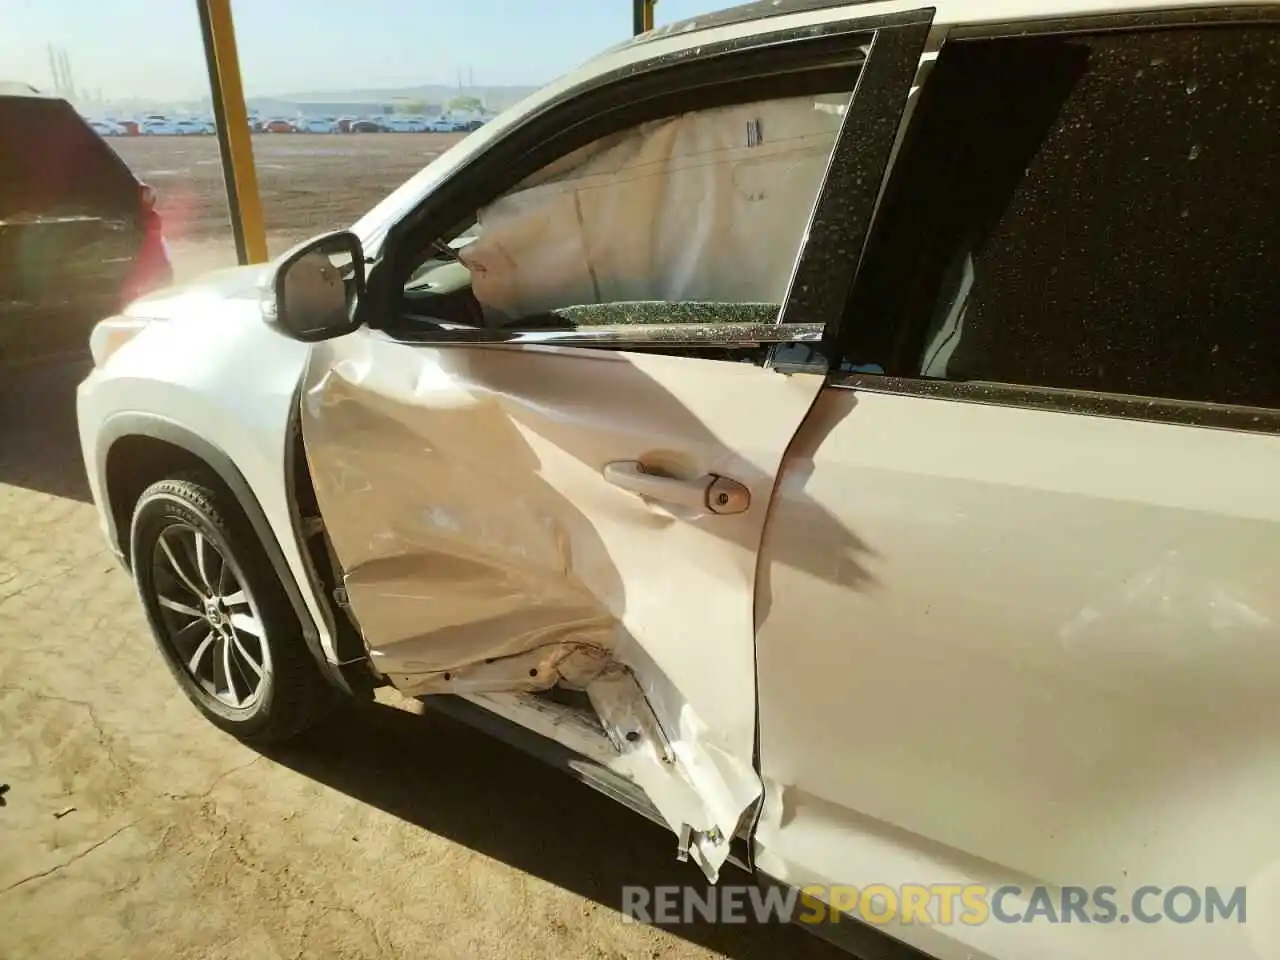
(510, 518)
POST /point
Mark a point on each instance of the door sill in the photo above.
(563, 732)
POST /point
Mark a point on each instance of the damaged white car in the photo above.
(846, 432)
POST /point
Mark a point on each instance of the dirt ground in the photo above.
(130, 828)
(309, 183)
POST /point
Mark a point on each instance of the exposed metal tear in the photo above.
(659, 766)
(486, 554)
(627, 717)
(573, 664)
(700, 797)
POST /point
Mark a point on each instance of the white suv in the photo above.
(846, 433)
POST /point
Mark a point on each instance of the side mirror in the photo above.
(315, 288)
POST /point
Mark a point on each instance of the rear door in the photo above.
(563, 479)
(1043, 648)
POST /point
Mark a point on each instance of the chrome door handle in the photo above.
(708, 492)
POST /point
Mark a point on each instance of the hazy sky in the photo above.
(151, 48)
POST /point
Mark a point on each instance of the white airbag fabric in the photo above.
(706, 206)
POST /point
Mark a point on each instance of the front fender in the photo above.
(298, 589)
(214, 381)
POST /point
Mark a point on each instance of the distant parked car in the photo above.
(105, 128)
(343, 124)
(128, 128)
(405, 125)
(366, 126)
(314, 125)
(159, 127)
(278, 126)
(439, 125)
(191, 127)
(79, 234)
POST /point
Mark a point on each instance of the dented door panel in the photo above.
(1045, 655)
(464, 491)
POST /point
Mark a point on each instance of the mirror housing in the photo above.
(316, 287)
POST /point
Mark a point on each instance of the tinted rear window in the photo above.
(52, 163)
(1093, 212)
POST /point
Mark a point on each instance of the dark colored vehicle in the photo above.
(366, 126)
(79, 234)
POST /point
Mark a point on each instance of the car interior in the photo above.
(694, 218)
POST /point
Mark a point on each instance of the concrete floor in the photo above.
(132, 828)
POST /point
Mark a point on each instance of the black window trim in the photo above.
(624, 336)
(1116, 22)
(601, 97)
(1209, 415)
(1116, 406)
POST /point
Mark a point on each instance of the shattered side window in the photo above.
(707, 208)
(1099, 213)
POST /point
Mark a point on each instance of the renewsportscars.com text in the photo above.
(933, 904)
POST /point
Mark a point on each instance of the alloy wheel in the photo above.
(212, 622)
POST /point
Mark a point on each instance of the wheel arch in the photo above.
(136, 449)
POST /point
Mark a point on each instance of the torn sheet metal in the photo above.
(484, 549)
(689, 785)
(451, 596)
(698, 790)
(567, 662)
(463, 491)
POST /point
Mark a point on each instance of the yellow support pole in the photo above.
(223, 62)
(642, 15)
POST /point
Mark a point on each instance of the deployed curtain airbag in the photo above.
(705, 206)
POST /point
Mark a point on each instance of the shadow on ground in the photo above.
(39, 443)
(439, 774)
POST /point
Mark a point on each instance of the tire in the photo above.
(242, 660)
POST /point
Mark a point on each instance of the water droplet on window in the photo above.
(1192, 86)
(1195, 152)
